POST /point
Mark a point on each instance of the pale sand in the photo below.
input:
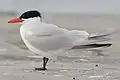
(15, 64)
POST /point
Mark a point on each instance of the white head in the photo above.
(29, 15)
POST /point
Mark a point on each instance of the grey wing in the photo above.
(49, 38)
(54, 38)
(50, 42)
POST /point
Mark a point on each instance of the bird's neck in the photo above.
(32, 20)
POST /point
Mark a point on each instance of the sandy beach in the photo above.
(16, 63)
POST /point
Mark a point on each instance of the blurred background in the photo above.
(93, 16)
(62, 6)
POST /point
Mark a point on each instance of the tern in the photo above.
(46, 39)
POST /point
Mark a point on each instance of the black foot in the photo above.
(40, 69)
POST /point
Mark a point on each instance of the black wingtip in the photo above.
(108, 45)
(91, 46)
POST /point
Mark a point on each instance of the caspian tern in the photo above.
(46, 39)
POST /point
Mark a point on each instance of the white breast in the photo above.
(24, 32)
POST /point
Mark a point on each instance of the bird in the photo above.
(46, 39)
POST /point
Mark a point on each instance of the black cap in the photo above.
(30, 14)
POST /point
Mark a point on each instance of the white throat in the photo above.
(34, 19)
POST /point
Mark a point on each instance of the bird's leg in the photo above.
(45, 60)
